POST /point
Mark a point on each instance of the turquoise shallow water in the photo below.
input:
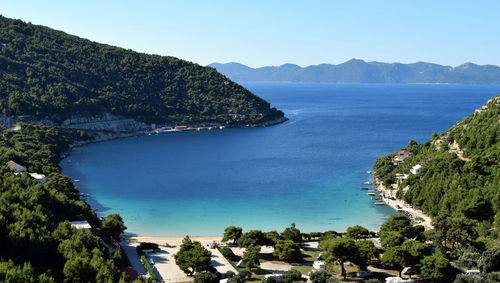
(308, 170)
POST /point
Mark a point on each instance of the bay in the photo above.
(308, 170)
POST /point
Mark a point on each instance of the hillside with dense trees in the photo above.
(37, 243)
(46, 73)
(458, 184)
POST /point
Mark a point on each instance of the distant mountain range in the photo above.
(359, 71)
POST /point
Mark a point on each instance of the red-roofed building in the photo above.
(13, 166)
(132, 274)
(402, 155)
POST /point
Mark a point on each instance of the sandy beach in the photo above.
(413, 212)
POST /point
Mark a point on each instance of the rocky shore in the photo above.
(389, 197)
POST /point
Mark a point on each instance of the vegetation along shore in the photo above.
(462, 239)
(70, 91)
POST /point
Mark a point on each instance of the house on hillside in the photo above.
(81, 225)
(415, 169)
(402, 155)
(39, 177)
(16, 168)
(400, 178)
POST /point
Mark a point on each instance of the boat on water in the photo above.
(371, 193)
(76, 180)
(368, 172)
(379, 203)
(367, 183)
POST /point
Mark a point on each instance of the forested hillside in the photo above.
(37, 243)
(459, 181)
(46, 73)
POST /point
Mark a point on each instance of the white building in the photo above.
(398, 280)
(415, 169)
(400, 177)
(277, 276)
(318, 265)
(402, 155)
(39, 177)
(80, 224)
(16, 168)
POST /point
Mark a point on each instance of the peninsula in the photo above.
(50, 77)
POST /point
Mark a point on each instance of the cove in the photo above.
(308, 170)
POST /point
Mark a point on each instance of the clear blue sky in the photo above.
(259, 33)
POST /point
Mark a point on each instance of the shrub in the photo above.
(291, 276)
(245, 273)
(148, 267)
(490, 260)
(206, 277)
(228, 253)
(333, 280)
(233, 277)
(270, 279)
(319, 276)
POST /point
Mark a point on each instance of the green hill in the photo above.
(459, 182)
(48, 74)
(37, 243)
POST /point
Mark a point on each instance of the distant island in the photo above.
(359, 71)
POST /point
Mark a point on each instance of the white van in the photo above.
(473, 272)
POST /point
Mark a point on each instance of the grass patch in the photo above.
(233, 261)
(149, 268)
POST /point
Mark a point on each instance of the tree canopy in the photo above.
(341, 250)
(458, 182)
(37, 243)
(113, 226)
(232, 233)
(287, 250)
(50, 74)
(192, 256)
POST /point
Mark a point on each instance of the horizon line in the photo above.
(352, 59)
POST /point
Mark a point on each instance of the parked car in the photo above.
(473, 272)
(363, 273)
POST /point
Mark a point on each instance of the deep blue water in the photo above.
(308, 170)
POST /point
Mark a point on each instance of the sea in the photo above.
(308, 170)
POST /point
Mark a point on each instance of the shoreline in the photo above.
(405, 207)
(104, 136)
